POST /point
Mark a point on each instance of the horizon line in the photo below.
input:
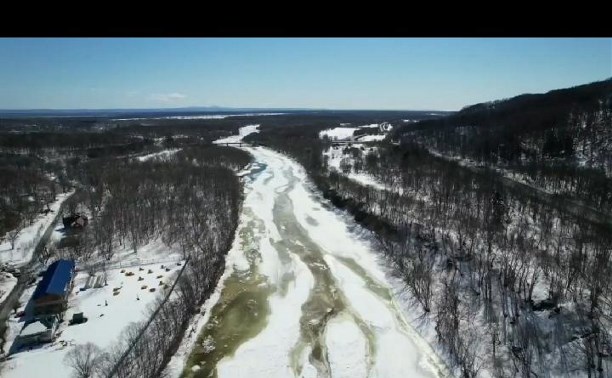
(211, 109)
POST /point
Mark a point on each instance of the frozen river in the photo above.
(303, 295)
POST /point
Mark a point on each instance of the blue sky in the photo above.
(396, 73)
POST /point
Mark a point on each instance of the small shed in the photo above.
(51, 294)
(77, 318)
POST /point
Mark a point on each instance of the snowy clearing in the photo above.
(347, 133)
(108, 316)
(367, 180)
(338, 133)
(335, 157)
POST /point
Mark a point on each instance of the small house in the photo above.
(38, 331)
(51, 294)
(75, 222)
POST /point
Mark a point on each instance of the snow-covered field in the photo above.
(338, 133)
(30, 235)
(108, 316)
(344, 133)
(243, 132)
(331, 307)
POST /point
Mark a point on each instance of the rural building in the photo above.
(75, 222)
(51, 294)
(38, 331)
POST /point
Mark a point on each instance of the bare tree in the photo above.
(420, 276)
(105, 230)
(45, 255)
(84, 360)
(13, 235)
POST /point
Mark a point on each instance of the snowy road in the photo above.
(303, 295)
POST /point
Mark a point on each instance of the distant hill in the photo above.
(559, 142)
(572, 124)
(527, 110)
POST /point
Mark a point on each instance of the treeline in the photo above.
(511, 281)
(61, 140)
(111, 137)
(560, 141)
(203, 130)
(35, 123)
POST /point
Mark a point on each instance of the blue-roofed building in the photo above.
(51, 294)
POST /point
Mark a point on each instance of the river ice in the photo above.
(330, 311)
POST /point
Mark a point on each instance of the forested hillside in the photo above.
(560, 141)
